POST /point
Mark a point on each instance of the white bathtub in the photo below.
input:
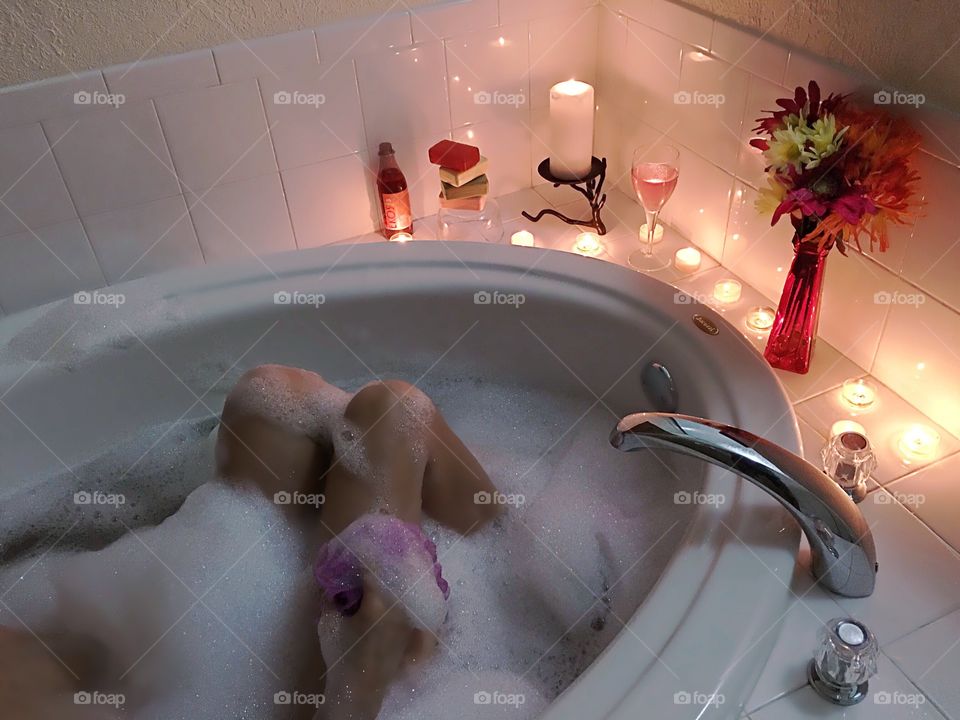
(73, 378)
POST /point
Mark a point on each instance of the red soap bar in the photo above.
(455, 156)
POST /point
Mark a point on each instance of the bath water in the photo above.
(202, 595)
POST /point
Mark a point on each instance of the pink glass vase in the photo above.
(794, 331)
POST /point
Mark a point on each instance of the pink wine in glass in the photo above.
(654, 184)
(654, 173)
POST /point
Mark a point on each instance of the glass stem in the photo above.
(652, 217)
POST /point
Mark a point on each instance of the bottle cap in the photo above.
(386, 149)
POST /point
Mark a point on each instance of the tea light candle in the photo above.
(657, 233)
(761, 318)
(842, 426)
(727, 291)
(687, 259)
(919, 442)
(588, 244)
(571, 129)
(401, 237)
(523, 238)
(859, 393)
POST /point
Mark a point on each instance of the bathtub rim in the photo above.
(691, 566)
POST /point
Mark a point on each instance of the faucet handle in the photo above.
(849, 459)
(845, 660)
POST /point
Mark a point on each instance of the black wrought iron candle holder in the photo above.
(591, 187)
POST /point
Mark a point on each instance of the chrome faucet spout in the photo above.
(844, 555)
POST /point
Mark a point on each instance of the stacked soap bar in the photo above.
(463, 175)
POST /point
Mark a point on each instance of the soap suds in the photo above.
(534, 597)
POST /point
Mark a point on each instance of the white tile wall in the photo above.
(751, 72)
(150, 78)
(113, 158)
(145, 239)
(217, 135)
(32, 192)
(486, 71)
(209, 129)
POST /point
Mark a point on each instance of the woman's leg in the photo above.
(272, 430)
(414, 461)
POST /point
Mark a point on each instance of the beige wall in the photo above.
(910, 44)
(46, 38)
(907, 43)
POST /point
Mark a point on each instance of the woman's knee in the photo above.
(388, 399)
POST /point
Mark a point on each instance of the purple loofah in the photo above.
(381, 544)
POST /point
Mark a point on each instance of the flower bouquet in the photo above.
(842, 174)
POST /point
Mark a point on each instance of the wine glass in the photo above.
(655, 174)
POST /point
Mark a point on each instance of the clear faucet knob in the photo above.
(849, 459)
(845, 660)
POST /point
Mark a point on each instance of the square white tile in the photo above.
(755, 250)
(802, 68)
(443, 20)
(918, 357)
(488, 73)
(933, 254)
(315, 114)
(761, 97)
(811, 608)
(217, 135)
(891, 697)
(652, 78)
(563, 47)
(933, 494)
(675, 20)
(828, 369)
(506, 143)
(512, 11)
(50, 263)
(611, 51)
(930, 657)
(265, 57)
(750, 52)
(23, 104)
(31, 188)
(244, 218)
(159, 76)
(142, 240)
(412, 79)
(113, 158)
(853, 312)
(885, 421)
(341, 42)
(513, 204)
(919, 576)
(709, 107)
(331, 201)
(701, 203)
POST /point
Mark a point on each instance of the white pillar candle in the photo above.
(687, 259)
(571, 129)
(523, 238)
